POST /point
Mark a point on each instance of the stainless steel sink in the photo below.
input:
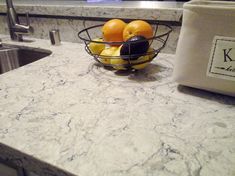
(14, 56)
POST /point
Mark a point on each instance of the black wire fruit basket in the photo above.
(130, 61)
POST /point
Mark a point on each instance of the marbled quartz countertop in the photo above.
(67, 111)
(165, 11)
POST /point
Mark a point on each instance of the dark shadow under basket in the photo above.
(157, 43)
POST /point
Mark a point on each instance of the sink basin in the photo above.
(14, 56)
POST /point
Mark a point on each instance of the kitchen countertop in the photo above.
(163, 11)
(70, 113)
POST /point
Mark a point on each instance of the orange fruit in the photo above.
(137, 27)
(113, 30)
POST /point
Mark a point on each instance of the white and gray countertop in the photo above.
(69, 16)
(70, 113)
(163, 11)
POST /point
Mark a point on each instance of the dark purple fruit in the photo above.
(134, 47)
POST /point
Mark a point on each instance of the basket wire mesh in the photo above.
(160, 38)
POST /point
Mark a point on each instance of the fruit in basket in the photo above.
(106, 54)
(137, 27)
(117, 62)
(143, 62)
(112, 30)
(151, 53)
(96, 48)
(134, 47)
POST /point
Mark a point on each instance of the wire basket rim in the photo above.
(130, 60)
(120, 43)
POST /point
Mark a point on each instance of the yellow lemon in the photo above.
(96, 48)
(117, 62)
(151, 53)
(106, 54)
(140, 60)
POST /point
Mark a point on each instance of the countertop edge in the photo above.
(157, 11)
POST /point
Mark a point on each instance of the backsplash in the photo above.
(70, 27)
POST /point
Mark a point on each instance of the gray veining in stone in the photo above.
(68, 112)
(164, 11)
(167, 11)
(69, 29)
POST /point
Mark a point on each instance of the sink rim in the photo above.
(37, 49)
(16, 56)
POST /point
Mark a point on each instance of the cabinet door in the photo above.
(9, 170)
